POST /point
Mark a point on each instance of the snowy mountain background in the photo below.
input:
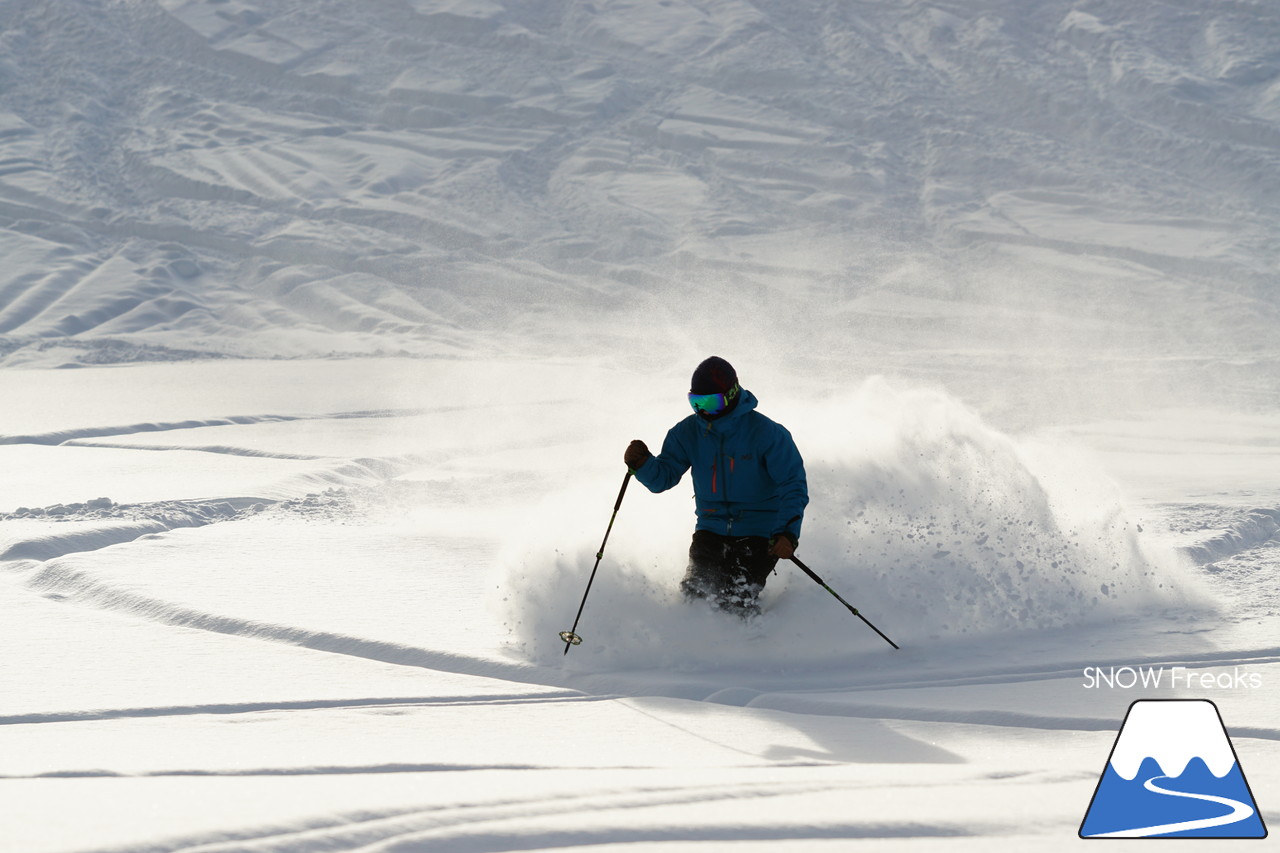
(366, 299)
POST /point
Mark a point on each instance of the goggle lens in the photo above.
(712, 404)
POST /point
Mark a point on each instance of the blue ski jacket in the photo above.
(748, 477)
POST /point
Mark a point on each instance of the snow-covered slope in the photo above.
(280, 177)
(1005, 269)
(338, 630)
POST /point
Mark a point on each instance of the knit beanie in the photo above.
(713, 376)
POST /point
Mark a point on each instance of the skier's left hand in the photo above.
(637, 454)
(782, 548)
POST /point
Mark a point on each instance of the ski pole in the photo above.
(808, 571)
(570, 637)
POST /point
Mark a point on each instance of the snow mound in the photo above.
(1259, 526)
(932, 523)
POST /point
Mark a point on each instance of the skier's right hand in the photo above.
(637, 454)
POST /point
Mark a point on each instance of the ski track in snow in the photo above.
(61, 568)
(478, 826)
(301, 705)
(56, 582)
(86, 433)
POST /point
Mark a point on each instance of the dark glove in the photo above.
(637, 454)
(783, 545)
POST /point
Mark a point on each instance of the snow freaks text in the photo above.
(1155, 678)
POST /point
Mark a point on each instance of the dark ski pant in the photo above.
(730, 571)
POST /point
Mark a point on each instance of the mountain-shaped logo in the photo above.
(1173, 773)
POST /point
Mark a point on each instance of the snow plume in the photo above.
(924, 511)
(933, 523)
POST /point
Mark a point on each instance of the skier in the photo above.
(749, 487)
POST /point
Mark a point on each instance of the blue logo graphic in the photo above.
(1173, 773)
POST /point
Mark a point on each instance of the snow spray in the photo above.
(942, 525)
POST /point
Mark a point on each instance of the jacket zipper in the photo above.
(715, 489)
(728, 514)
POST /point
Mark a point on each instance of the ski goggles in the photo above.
(713, 404)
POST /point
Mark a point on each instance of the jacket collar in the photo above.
(747, 402)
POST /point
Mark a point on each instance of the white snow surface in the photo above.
(323, 327)
(370, 661)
